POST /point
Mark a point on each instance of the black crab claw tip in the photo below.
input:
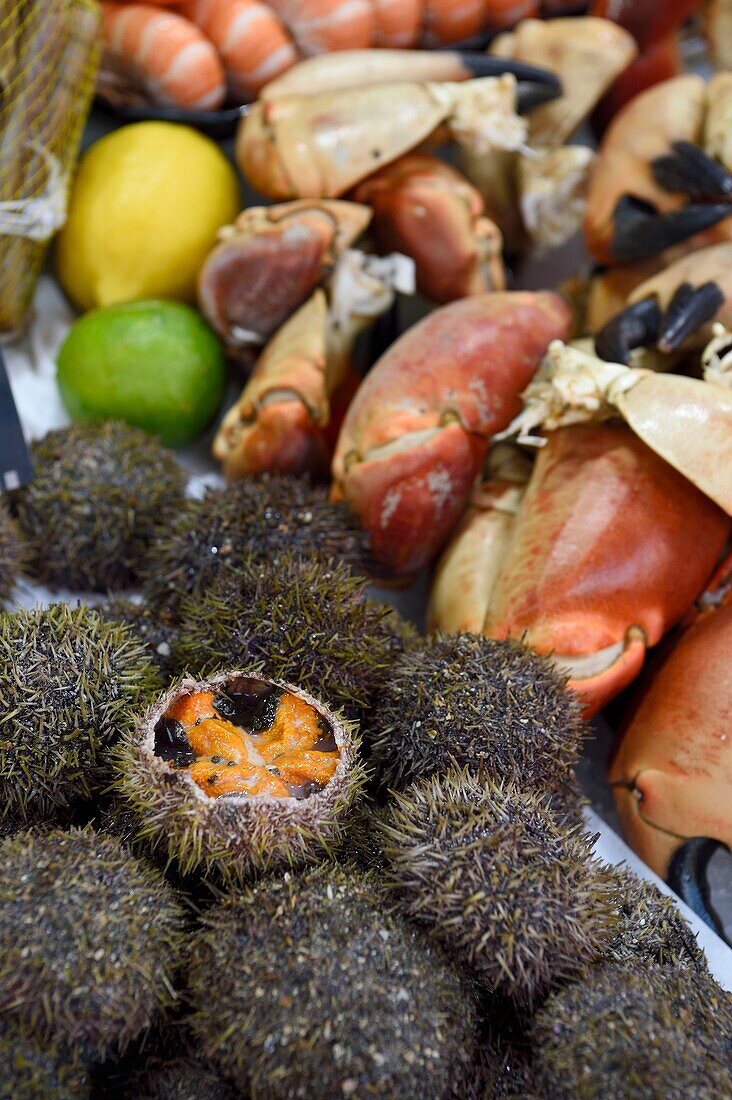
(640, 232)
(216, 124)
(689, 309)
(687, 877)
(634, 327)
(535, 85)
(690, 171)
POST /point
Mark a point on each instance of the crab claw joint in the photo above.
(686, 421)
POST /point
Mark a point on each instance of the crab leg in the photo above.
(416, 434)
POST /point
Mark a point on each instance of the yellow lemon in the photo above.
(144, 209)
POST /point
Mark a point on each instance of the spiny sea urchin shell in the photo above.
(319, 991)
(469, 701)
(489, 872)
(32, 1070)
(180, 1078)
(13, 553)
(647, 1033)
(89, 939)
(155, 628)
(651, 927)
(69, 685)
(238, 774)
(304, 621)
(256, 519)
(89, 511)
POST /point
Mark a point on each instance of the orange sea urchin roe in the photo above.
(280, 748)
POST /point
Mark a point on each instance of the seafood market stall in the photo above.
(365, 549)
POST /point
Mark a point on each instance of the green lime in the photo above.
(155, 364)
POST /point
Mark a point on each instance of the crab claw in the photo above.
(269, 262)
(427, 210)
(277, 422)
(672, 306)
(585, 54)
(691, 172)
(636, 326)
(686, 421)
(644, 129)
(640, 231)
(672, 772)
(689, 309)
(321, 145)
(417, 432)
(336, 71)
(609, 548)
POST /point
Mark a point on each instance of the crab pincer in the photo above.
(669, 145)
(671, 773)
(415, 436)
(601, 554)
(673, 307)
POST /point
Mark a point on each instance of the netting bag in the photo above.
(49, 53)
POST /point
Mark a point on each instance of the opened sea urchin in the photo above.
(253, 520)
(305, 621)
(647, 1033)
(472, 701)
(489, 872)
(239, 773)
(69, 685)
(307, 987)
(89, 511)
(89, 939)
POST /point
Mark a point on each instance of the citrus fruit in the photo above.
(155, 364)
(144, 209)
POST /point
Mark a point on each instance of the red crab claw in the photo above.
(427, 210)
(609, 549)
(277, 422)
(417, 432)
(672, 772)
